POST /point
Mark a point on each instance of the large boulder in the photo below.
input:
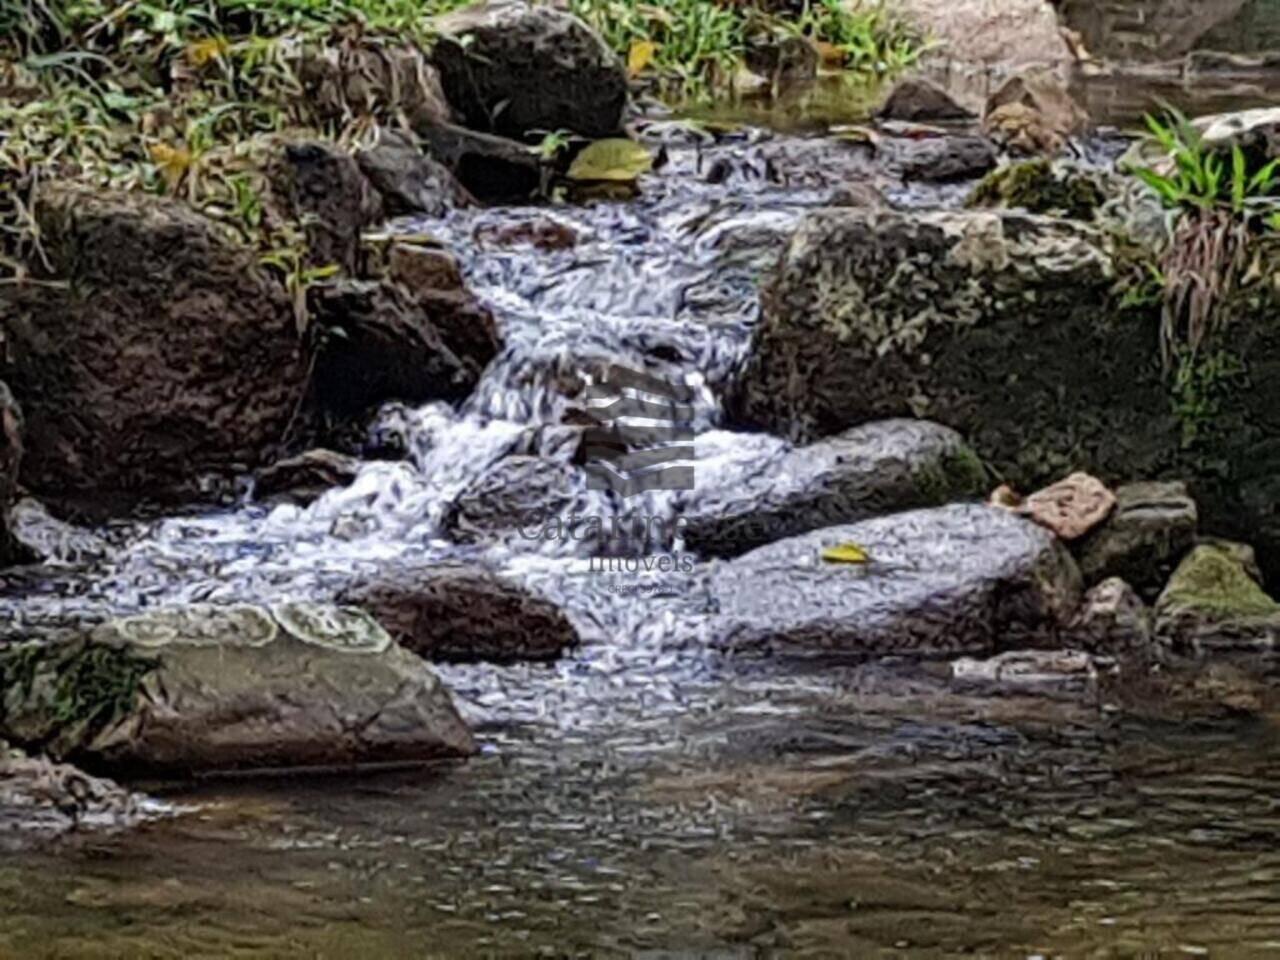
(460, 613)
(1008, 328)
(983, 33)
(217, 688)
(1213, 605)
(166, 354)
(1160, 30)
(511, 68)
(384, 341)
(865, 471)
(967, 578)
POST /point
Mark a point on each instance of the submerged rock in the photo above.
(1256, 131)
(1151, 528)
(460, 613)
(168, 354)
(206, 688)
(40, 799)
(50, 540)
(1068, 674)
(1213, 605)
(387, 342)
(511, 68)
(873, 469)
(965, 578)
(1112, 621)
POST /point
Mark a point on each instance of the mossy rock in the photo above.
(1041, 186)
(1213, 604)
(205, 688)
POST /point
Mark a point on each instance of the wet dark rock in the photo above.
(1213, 605)
(917, 100)
(204, 688)
(354, 77)
(1066, 674)
(865, 471)
(47, 539)
(1112, 621)
(516, 493)
(384, 342)
(940, 159)
(459, 613)
(491, 168)
(1033, 112)
(407, 179)
(327, 193)
(10, 463)
(511, 68)
(169, 354)
(1152, 527)
(306, 477)
(1042, 186)
(966, 578)
(40, 799)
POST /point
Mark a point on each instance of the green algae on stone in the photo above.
(1041, 186)
(57, 698)
(1213, 580)
(1213, 605)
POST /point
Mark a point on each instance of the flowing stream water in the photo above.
(644, 796)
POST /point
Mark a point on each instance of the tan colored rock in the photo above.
(1033, 112)
(1070, 507)
(990, 32)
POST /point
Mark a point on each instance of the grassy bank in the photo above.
(171, 96)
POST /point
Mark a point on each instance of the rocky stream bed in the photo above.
(509, 713)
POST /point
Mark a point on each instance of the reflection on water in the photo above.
(855, 813)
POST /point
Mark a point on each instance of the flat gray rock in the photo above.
(965, 578)
(866, 471)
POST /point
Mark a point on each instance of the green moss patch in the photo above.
(57, 698)
(1214, 581)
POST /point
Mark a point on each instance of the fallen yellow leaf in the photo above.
(845, 553)
(640, 56)
(172, 162)
(200, 52)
